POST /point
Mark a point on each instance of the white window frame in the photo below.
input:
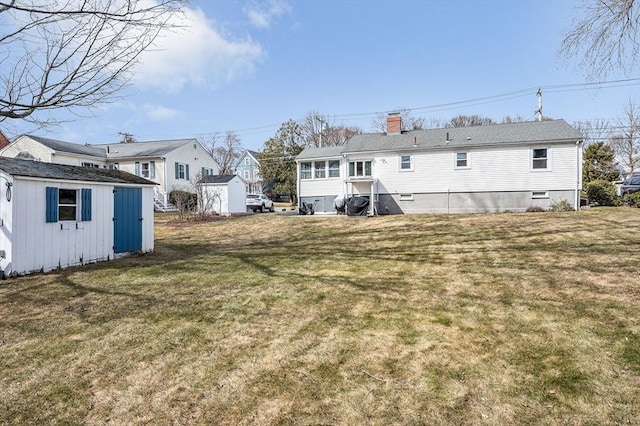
(247, 161)
(332, 171)
(546, 158)
(320, 172)
(247, 175)
(256, 175)
(405, 197)
(182, 171)
(145, 173)
(364, 168)
(306, 174)
(402, 162)
(467, 160)
(61, 205)
(537, 195)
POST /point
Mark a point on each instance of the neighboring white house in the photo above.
(222, 194)
(491, 168)
(248, 168)
(54, 216)
(172, 164)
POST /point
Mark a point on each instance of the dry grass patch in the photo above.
(268, 319)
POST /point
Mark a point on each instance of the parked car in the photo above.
(259, 202)
(630, 185)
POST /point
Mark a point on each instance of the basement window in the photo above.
(540, 194)
(406, 197)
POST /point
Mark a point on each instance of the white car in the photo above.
(259, 202)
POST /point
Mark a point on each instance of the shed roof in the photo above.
(37, 169)
(457, 137)
(217, 179)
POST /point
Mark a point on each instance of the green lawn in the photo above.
(271, 319)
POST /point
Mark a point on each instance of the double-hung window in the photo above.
(462, 160)
(182, 171)
(146, 170)
(305, 170)
(540, 159)
(334, 169)
(361, 168)
(406, 163)
(320, 169)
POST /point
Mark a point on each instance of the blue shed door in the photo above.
(127, 219)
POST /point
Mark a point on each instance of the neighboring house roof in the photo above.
(144, 149)
(457, 137)
(217, 179)
(37, 169)
(253, 154)
(69, 147)
(3, 140)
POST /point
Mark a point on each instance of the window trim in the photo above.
(304, 171)
(539, 195)
(364, 168)
(405, 197)
(467, 160)
(320, 170)
(335, 169)
(546, 158)
(401, 163)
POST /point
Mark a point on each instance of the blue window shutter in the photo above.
(203, 172)
(137, 168)
(177, 171)
(152, 169)
(86, 204)
(52, 204)
(186, 171)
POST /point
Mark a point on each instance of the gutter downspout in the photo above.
(578, 177)
(298, 195)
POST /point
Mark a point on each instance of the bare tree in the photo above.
(626, 143)
(605, 37)
(516, 119)
(593, 131)
(225, 151)
(318, 130)
(409, 122)
(68, 54)
(469, 120)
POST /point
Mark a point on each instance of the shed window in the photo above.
(539, 159)
(63, 204)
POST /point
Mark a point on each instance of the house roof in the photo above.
(458, 137)
(73, 148)
(37, 169)
(217, 179)
(143, 149)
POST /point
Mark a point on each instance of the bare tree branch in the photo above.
(70, 54)
(605, 37)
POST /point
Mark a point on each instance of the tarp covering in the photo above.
(357, 206)
(340, 203)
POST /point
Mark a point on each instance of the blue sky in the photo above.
(249, 66)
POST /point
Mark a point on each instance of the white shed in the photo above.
(222, 194)
(55, 216)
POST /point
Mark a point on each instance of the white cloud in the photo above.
(160, 113)
(197, 54)
(263, 14)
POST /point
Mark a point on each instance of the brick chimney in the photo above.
(394, 124)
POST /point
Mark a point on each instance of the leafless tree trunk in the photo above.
(67, 54)
(225, 151)
(605, 37)
(594, 131)
(626, 143)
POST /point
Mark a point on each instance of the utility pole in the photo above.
(539, 110)
(321, 127)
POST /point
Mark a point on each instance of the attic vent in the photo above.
(468, 138)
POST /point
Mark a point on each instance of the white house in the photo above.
(222, 194)
(172, 164)
(54, 216)
(491, 168)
